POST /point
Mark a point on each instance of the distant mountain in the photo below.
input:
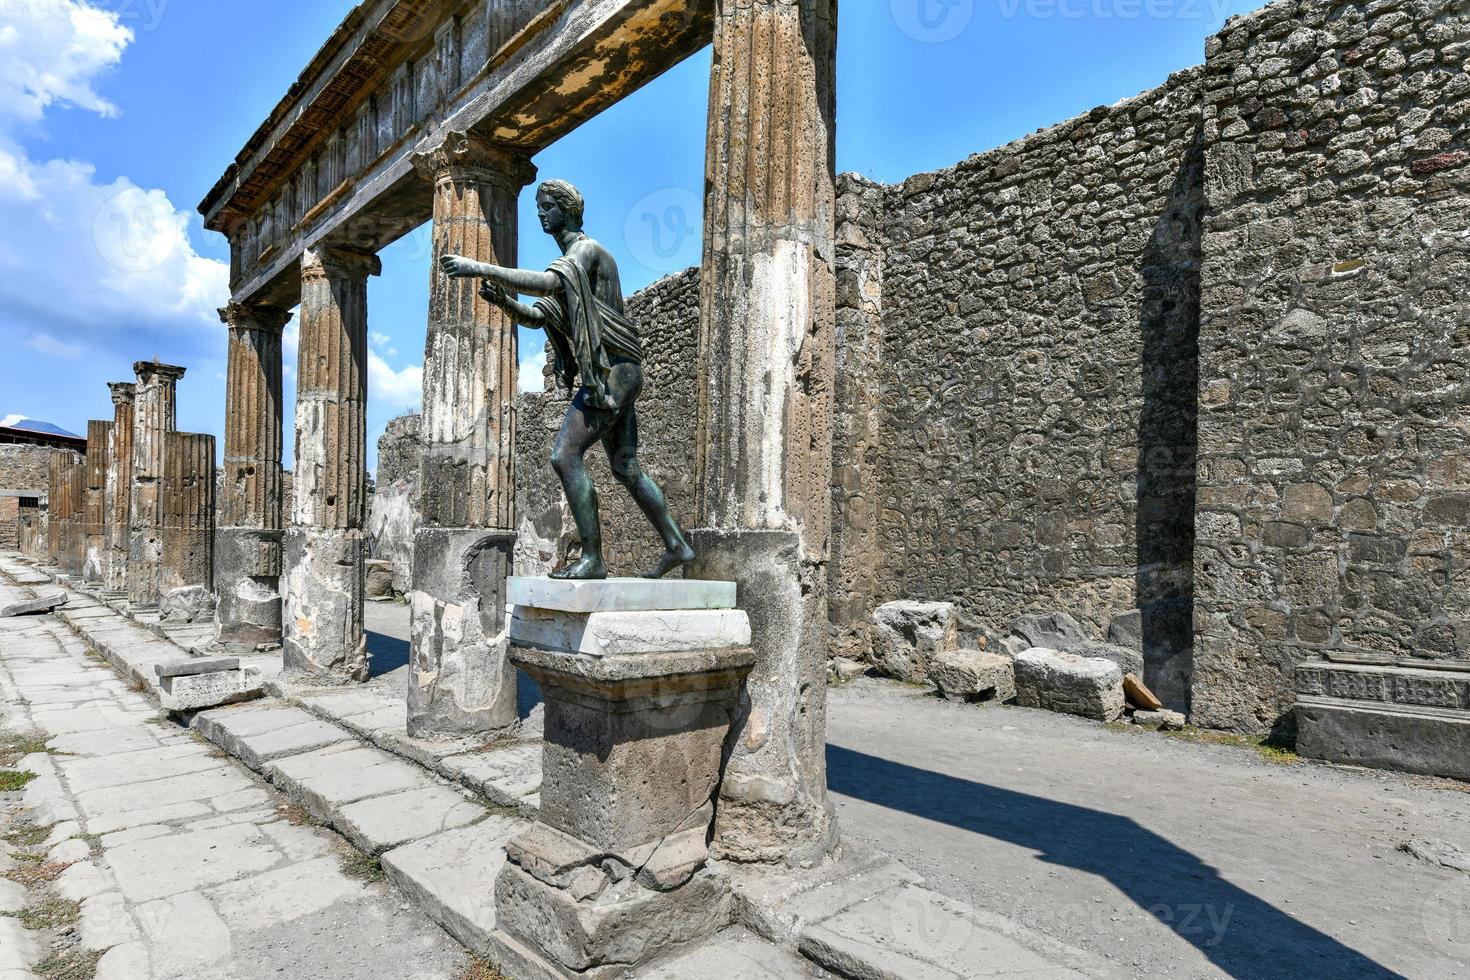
(36, 425)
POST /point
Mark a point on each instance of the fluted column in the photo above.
(323, 578)
(461, 680)
(94, 503)
(248, 541)
(119, 489)
(154, 417)
(766, 373)
(73, 540)
(56, 468)
(188, 511)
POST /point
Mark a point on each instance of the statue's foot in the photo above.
(671, 560)
(589, 567)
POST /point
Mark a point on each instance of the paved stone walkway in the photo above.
(184, 865)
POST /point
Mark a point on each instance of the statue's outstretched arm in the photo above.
(520, 312)
(526, 281)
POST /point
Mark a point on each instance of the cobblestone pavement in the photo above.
(138, 839)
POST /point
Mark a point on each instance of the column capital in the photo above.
(322, 261)
(254, 316)
(123, 392)
(148, 370)
(449, 156)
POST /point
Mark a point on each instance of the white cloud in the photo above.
(393, 390)
(11, 419)
(51, 52)
(119, 253)
(531, 376)
(51, 347)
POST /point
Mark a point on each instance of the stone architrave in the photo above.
(154, 417)
(461, 680)
(322, 582)
(94, 501)
(119, 489)
(248, 541)
(188, 512)
(766, 375)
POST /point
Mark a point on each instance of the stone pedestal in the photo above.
(614, 871)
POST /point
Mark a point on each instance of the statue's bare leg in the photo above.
(621, 442)
(579, 430)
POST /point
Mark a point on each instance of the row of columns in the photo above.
(766, 357)
(134, 515)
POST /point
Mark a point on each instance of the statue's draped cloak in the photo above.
(586, 333)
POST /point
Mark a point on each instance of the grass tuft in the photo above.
(32, 874)
(71, 964)
(28, 835)
(478, 969)
(15, 746)
(360, 866)
(51, 913)
(14, 779)
(1272, 748)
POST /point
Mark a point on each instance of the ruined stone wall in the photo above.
(393, 514)
(668, 313)
(1334, 497)
(1039, 308)
(24, 468)
(9, 522)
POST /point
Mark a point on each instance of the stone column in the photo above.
(74, 539)
(154, 417)
(766, 356)
(55, 494)
(94, 502)
(322, 583)
(248, 543)
(119, 490)
(188, 511)
(461, 680)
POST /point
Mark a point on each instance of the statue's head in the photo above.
(560, 206)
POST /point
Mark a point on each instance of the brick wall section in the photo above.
(1040, 307)
(668, 314)
(10, 523)
(1334, 491)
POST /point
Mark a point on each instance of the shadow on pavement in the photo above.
(1241, 934)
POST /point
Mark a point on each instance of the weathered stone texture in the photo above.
(1039, 304)
(1334, 492)
(119, 489)
(94, 502)
(393, 516)
(24, 467)
(155, 412)
(188, 512)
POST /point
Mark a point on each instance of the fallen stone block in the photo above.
(1059, 631)
(191, 604)
(193, 685)
(908, 635)
(27, 607)
(841, 670)
(1139, 695)
(1070, 684)
(379, 579)
(974, 675)
(1164, 720)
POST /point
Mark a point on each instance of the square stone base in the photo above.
(604, 936)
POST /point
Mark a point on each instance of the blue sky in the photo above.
(120, 112)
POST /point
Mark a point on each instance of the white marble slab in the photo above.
(619, 594)
(608, 634)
